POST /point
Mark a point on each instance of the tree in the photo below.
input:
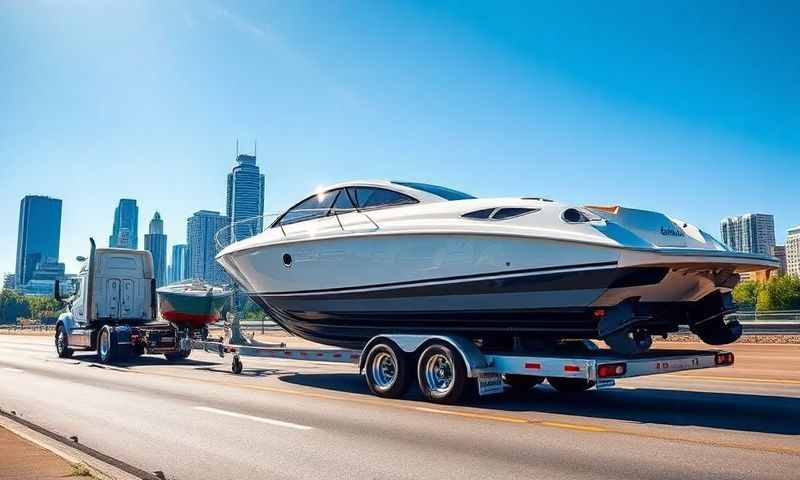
(12, 306)
(779, 293)
(746, 294)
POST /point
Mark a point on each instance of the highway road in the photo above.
(285, 419)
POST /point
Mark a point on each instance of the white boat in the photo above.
(358, 259)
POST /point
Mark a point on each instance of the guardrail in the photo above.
(13, 328)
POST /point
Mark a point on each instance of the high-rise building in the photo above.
(793, 251)
(201, 230)
(155, 242)
(38, 236)
(125, 233)
(752, 233)
(177, 268)
(779, 252)
(245, 202)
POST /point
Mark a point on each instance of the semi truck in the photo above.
(111, 308)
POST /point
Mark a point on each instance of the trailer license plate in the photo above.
(489, 383)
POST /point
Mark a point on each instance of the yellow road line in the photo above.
(481, 416)
(738, 379)
(572, 426)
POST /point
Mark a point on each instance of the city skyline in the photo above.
(587, 105)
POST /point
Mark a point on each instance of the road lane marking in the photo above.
(573, 426)
(737, 379)
(268, 421)
(481, 416)
(13, 370)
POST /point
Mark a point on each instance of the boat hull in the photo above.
(191, 311)
(344, 291)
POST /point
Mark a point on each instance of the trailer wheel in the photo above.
(176, 356)
(570, 385)
(387, 370)
(521, 383)
(236, 365)
(442, 374)
(105, 346)
(62, 343)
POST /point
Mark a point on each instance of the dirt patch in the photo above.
(23, 460)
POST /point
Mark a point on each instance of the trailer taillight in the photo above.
(724, 358)
(611, 370)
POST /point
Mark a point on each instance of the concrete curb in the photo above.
(98, 468)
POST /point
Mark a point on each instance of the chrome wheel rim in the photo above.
(61, 340)
(439, 373)
(384, 370)
(105, 344)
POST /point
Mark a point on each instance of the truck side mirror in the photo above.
(57, 290)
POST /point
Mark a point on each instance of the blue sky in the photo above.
(691, 108)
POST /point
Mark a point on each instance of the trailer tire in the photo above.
(521, 383)
(62, 342)
(442, 374)
(570, 385)
(177, 356)
(387, 370)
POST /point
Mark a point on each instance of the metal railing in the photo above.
(249, 227)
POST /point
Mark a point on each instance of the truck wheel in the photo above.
(442, 374)
(62, 343)
(105, 346)
(387, 370)
(521, 383)
(569, 385)
(175, 356)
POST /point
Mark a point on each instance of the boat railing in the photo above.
(252, 226)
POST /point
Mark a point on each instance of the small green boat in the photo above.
(193, 304)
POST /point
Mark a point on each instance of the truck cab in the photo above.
(112, 307)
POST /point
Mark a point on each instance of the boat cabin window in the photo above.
(372, 197)
(343, 203)
(444, 192)
(315, 206)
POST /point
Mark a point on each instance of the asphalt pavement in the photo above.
(288, 419)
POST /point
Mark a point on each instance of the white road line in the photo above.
(14, 370)
(268, 421)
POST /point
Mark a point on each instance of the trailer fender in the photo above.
(472, 356)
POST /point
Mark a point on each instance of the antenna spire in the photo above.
(255, 148)
(237, 147)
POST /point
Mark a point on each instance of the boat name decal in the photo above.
(671, 232)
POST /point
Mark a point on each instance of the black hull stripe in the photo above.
(444, 279)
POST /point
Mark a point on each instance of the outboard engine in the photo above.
(707, 319)
(624, 330)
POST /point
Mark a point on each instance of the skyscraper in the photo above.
(177, 269)
(125, 233)
(752, 233)
(155, 242)
(38, 236)
(793, 251)
(245, 197)
(779, 252)
(201, 229)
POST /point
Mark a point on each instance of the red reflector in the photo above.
(535, 366)
(724, 358)
(572, 368)
(611, 370)
(599, 312)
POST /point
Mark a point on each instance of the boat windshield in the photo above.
(444, 192)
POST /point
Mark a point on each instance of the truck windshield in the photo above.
(444, 192)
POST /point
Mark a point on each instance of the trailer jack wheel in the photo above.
(236, 365)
